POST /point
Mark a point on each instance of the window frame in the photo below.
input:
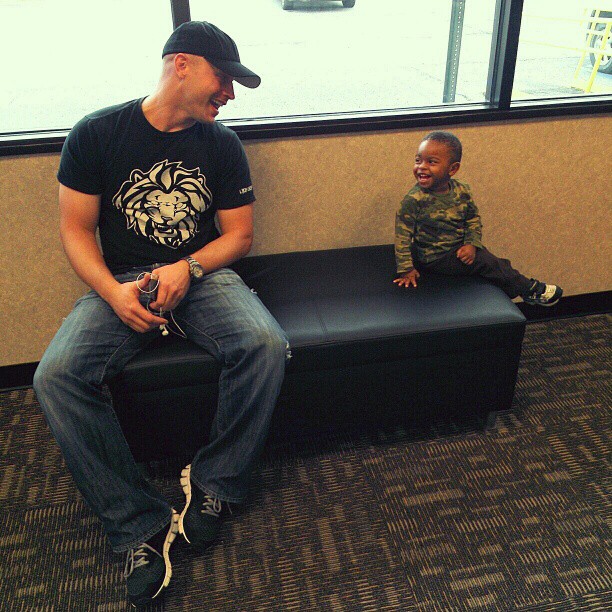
(498, 105)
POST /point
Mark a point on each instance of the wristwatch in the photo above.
(195, 269)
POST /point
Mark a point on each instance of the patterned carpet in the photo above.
(445, 519)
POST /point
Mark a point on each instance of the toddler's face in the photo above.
(433, 166)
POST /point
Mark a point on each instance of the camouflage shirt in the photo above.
(429, 225)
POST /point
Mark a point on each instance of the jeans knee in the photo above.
(46, 380)
(267, 345)
(57, 373)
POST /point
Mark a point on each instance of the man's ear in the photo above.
(453, 168)
(180, 64)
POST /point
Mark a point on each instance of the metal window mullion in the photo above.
(180, 12)
(454, 51)
(504, 49)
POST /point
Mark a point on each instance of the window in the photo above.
(557, 53)
(325, 67)
(64, 58)
(322, 58)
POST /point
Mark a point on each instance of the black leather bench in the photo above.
(364, 352)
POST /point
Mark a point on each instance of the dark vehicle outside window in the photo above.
(596, 39)
(291, 4)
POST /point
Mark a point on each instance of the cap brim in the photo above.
(241, 74)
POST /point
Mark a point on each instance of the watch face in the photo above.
(196, 269)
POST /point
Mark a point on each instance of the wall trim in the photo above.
(17, 376)
(570, 306)
(51, 141)
(21, 375)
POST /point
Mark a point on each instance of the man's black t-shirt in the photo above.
(159, 190)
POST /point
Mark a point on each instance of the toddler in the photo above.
(438, 228)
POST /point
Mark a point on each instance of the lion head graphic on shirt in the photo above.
(165, 203)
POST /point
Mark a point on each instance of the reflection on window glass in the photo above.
(553, 59)
(64, 58)
(321, 57)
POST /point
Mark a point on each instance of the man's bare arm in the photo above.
(236, 227)
(79, 215)
(236, 239)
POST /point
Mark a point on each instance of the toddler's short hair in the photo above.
(450, 140)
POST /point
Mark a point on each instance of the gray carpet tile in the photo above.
(55, 557)
(493, 522)
(32, 470)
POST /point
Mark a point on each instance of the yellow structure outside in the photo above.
(598, 52)
(587, 23)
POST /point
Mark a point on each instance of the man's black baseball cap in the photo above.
(208, 41)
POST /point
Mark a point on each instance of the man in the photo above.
(151, 175)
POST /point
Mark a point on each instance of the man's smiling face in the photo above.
(209, 89)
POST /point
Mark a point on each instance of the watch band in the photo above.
(195, 269)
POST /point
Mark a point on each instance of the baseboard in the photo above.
(21, 375)
(17, 376)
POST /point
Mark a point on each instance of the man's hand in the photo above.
(467, 254)
(126, 304)
(408, 278)
(173, 284)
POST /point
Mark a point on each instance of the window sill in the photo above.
(29, 143)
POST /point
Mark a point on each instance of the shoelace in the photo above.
(211, 505)
(137, 557)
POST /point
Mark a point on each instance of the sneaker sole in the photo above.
(186, 485)
(170, 537)
(547, 305)
(536, 303)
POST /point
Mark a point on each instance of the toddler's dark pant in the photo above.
(499, 271)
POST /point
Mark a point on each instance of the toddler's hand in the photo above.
(408, 278)
(467, 254)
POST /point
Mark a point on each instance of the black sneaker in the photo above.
(147, 571)
(201, 517)
(540, 294)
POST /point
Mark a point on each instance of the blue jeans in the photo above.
(220, 314)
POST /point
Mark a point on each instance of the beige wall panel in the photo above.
(544, 194)
(38, 286)
(327, 192)
(542, 187)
